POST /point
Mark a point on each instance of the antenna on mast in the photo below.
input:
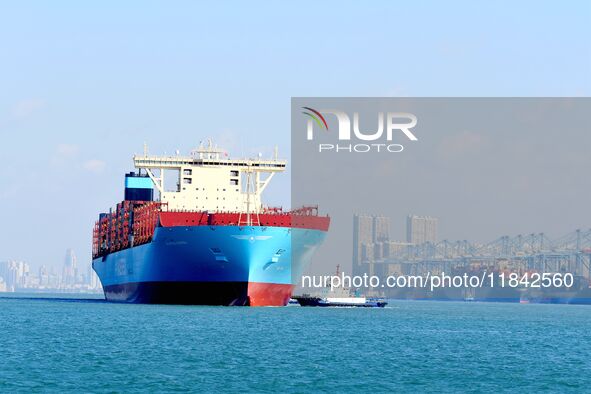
(145, 149)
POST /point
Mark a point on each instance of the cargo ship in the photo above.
(579, 293)
(209, 240)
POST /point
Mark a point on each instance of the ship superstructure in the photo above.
(209, 180)
(209, 240)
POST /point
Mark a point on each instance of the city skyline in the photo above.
(18, 276)
(372, 240)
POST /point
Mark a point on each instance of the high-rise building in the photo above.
(381, 229)
(14, 274)
(362, 235)
(369, 235)
(421, 229)
(70, 271)
(43, 275)
(367, 252)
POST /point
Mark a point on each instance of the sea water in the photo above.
(68, 344)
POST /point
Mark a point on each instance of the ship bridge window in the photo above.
(234, 182)
(187, 172)
(187, 180)
(234, 173)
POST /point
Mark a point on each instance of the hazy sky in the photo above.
(485, 167)
(83, 85)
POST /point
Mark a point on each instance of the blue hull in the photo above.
(212, 265)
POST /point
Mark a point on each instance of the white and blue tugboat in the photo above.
(339, 297)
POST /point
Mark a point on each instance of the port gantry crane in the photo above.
(570, 253)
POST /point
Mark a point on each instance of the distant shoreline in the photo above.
(51, 294)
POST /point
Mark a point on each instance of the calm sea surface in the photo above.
(92, 346)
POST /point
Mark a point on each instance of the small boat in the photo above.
(339, 297)
(363, 302)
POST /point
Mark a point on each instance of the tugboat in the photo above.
(307, 300)
(340, 297)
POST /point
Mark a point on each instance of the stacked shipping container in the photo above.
(130, 223)
(133, 222)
